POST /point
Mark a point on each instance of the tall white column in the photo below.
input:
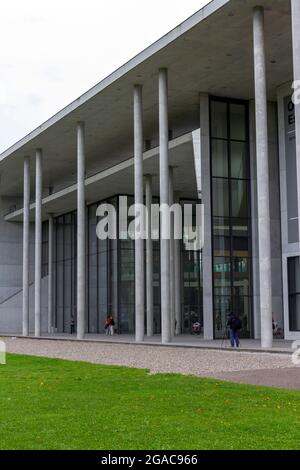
(177, 270)
(38, 242)
(296, 59)
(26, 245)
(81, 235)
(139, 200)
(164, 200)
(149, 258)
(207, 253)
(263, 196)
(172, 253)
(50, 273)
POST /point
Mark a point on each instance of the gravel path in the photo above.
(242, 367)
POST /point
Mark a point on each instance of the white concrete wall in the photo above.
(11, 271)
(11, 311)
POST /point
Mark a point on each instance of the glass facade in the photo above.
(231, 216)
(111, 277)
(294, 293)
(45, 248)
(192, 289)
(110, 263)
(192, 296)
(65, 273)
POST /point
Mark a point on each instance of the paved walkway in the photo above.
(246, 367)
(184, 341)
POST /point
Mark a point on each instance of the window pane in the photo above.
(219, 158)
(219, 120)
(241, 240)
(239, 160)
(240, 227)
(294, 293)
(294, 275)
(241, 276)
(222, 309)
(294, 306)
(220, 197)
(222, 272)
(222, 246)
(239, 197)
(237, 122)
(221, 232)
(60, 239)
(221, 227)
(231, 211)
(242, 308)
(93, 241)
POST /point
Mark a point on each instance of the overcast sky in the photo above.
(52, 51)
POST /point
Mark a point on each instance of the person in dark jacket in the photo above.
(234, 324)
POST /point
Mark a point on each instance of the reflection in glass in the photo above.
(65, 263)
(239, 190)
(238, 160)
(237, 121)
(294, 293)
(222, 309)
(219, 155)
(192, 308)
(231, 215)
(220, 197)
(219, 123)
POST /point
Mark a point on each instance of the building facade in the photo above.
(208, 114)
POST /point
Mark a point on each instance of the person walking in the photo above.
(234, 323)
(106, 326)
(111, 326)
(72, 322)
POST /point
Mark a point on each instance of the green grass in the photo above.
(54, 404)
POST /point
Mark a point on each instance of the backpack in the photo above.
(236, 324)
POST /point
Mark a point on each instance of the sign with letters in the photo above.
(291, 170)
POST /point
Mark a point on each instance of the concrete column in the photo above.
(139, 200)
(206, 201)
(263, 196)
(149, 258)
(177, 271)
(172, 254)
(296, 59)
(254, 224)
(50, 273)
(38, 242)
(164, 200)
(81, 234)
(26, 244)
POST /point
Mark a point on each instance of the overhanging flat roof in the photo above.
(210, 52)
(121, 176)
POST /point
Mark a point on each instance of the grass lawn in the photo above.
(54, 404)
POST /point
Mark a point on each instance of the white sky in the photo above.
(52, 51)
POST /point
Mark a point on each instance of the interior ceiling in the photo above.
(215, 56)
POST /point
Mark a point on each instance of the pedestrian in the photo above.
(111, 326)
(72, 323)
(234, 323)
(106, 326)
